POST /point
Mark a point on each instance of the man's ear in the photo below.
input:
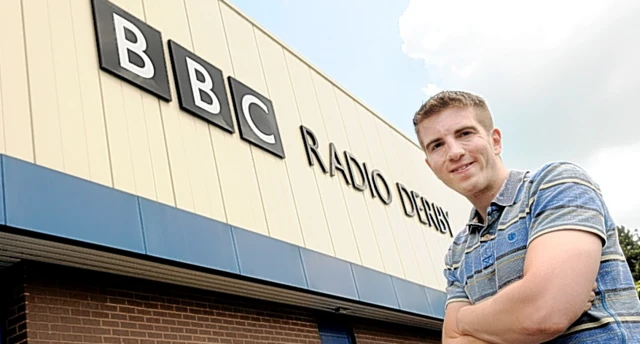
(496, 140)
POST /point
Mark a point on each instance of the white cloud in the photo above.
(615, 169)
(460, 34)
(430, 90)
(561, 77)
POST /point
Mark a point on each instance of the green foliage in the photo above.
(630, 243)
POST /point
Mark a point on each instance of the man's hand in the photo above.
(592, 297)
(450, 334)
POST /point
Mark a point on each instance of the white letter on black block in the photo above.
(138, 48)
(206, 87)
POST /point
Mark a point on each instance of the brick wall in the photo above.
(74, 306)
(12, 304)
(65, 305)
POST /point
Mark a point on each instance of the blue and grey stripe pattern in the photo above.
(484, 259)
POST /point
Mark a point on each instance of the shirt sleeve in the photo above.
(455, 288)
(564, 197)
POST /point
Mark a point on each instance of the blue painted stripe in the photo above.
(437, 299)
(328, 274)
(39, 199)
(46, 201)
(269, 259)
(412, 297)
(374, 286)
(178, 235)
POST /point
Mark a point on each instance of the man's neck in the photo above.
(482, 199)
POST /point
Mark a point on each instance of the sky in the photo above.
(561, 77)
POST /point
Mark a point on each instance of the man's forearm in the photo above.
(511, 316)
(464, 340)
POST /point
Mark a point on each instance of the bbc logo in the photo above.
(134, 51)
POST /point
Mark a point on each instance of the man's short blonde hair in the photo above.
(454, 99)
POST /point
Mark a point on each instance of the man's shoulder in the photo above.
(559, 172)
(555, 170)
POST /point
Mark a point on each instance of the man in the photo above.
(523, 268)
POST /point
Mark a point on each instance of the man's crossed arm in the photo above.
(559, 274)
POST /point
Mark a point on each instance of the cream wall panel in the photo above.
(90, 92)
(14, 84)
(146, 134)
(394, 211)
(435, 191)
(210, 43)
(138, 142)
(42, 85)
(431, 236)
(69, 98)
(158, 150)
(171, 20)
(365, 235)
(272, 174)
(136, 123)
(116, 127)
(209, 176)
(150, 159)
(311, 211)
(402, 169)
(376, 210)
(117, 134)
(240, 185)
(432, 264)
(171, 120)
(330, 188)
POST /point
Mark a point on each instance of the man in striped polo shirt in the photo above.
(523, 269)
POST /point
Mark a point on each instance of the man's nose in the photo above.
(456, 151)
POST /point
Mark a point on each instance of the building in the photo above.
(172, 173)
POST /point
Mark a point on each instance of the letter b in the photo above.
(130, 49)
(138, 47)
(201, 88)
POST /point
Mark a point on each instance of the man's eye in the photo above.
(466, 133)
(435, 146)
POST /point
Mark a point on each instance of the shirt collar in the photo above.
(509, 191)
(507, 194)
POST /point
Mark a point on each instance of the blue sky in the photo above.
(356, 43)
(561, 78)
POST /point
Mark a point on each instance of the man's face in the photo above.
(460, 151)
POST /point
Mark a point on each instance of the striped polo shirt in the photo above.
(485, 258)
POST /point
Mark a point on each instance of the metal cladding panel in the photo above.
(43, 200)
(269, 259)
(329, 275)
(375, 287)
(412, 297)
(186, 237)
(437, 299)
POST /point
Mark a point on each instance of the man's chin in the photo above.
(465, 189)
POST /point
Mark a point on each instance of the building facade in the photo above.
(173, 173)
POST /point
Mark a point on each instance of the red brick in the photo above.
(77, 306)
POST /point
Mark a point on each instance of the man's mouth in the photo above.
(462, 168)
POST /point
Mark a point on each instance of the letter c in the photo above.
(247, 100)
